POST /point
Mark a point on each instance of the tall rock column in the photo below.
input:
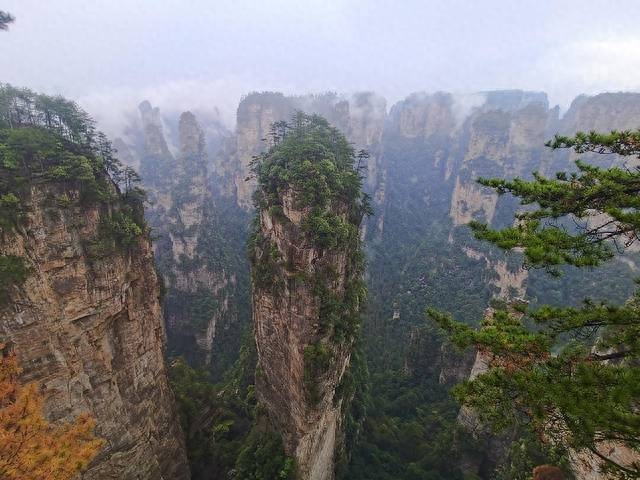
(307, 287)
(199, 240)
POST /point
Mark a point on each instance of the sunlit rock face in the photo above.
(88, 329)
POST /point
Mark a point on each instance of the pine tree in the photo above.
(32, 448)
(574, 378)
(5, 19)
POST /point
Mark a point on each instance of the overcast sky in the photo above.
(206, 53)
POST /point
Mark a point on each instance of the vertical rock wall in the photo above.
(88, 329)
(286, 325)
(307, 283)
(200, 261)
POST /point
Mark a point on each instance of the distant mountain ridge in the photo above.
(425, 153)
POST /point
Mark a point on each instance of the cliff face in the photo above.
(499, 133)
(434, 147)
(503, 137)
(198, 257)
(420, 252)
(87, 327)
(307, 290)
(286, 327)
(426, 154)
(196, 178)
(256, 113)
(602, 113)
(196, 299)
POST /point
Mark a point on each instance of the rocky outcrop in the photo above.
(196, 179)
(197, 292)
(588, 466)
(286, 331)
(497, 445)
(256, 113)
(602, 113)
(198, 257)
(505, 136)
(87, 327)
(360, 117)
(307, 291)
(286, 324)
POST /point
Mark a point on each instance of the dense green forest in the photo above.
(404, 419)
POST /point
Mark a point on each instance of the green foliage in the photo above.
(9, 210)
(5, 19)
(50, 136)
(35, 153)
(340, 315)
(49, 140)
(216, 421)
(266, 261)
(13, 271)
(549, 246)
(124, 229)
(314, 162)
(527, 453)
(63, 200)
(199, 306)
(410, 432)
(353, 392)
(263, 458)
(410, 429)
(317, 359)
(221, 237)
(585, 194)
(226, 435)
(330, 231)
(21, 107)
(503, 334)
(311, 164)
(118, 231)
(575, 376)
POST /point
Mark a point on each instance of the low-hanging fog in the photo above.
(204, 54)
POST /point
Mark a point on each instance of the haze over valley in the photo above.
(319, 241)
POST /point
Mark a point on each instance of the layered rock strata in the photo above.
(87, 326)
(307, 291)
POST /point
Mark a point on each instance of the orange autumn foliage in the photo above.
(547, 472)
(31, 448)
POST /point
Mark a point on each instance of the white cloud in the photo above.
(606, 64)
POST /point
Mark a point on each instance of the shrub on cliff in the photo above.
(50, 140)
(311, 167)
(13, 271)
(316, 164)
(263, 458)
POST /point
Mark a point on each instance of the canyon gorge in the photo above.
(99, 325)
